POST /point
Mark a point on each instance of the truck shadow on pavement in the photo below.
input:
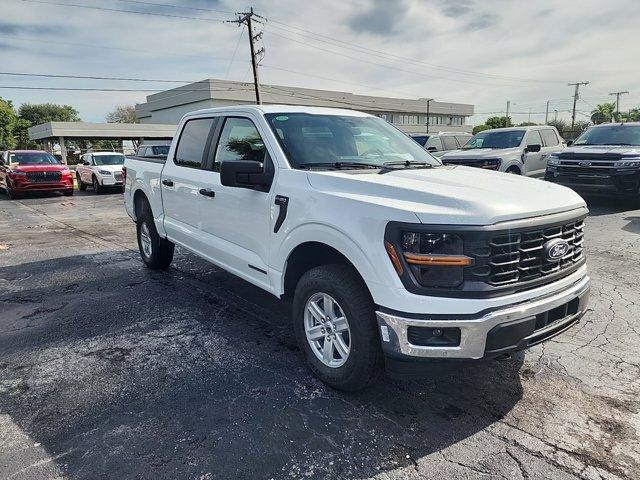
(120, 372)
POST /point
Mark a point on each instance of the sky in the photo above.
(478, 52)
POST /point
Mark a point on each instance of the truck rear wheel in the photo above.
(334, 322)
(156, 252)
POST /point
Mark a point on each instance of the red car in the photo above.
(23, 171)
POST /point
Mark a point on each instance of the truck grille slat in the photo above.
(519, 257)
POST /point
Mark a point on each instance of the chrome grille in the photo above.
(518, 257)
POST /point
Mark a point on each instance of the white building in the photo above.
(410, 115)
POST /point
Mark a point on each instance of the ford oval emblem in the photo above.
(585, 164)
(555, 249)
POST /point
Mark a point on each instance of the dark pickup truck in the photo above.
(604, 160)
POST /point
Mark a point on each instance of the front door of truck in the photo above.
(534, 164)
(237, 220)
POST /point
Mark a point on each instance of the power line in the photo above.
(88, 77)
(91, 89)
(108, 47)
(377, 53)
(137, 12)
(168, 5)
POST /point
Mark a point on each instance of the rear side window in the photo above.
(550, 138)
(449, 143)
(434, 142)
(462, 140)
(192, 143)
(533, 138)
(240, 140)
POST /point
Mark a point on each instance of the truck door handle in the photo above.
(167, 183)
(207, 193)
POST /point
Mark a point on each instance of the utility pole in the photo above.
(617, 94)
(246, 18)
(556, 115)
(575, 100)
(508, 105)
(428, 104)
(546, 114)
(529, 114)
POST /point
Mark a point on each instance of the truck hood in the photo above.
(450, 194)
(602, 149)
(480, 153)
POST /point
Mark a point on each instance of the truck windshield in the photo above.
(32, 158)
(348, 141)
(493, 139)
(614, 134)
(109, 159)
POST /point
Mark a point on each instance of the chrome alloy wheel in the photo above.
(145, 240)
(327, 330)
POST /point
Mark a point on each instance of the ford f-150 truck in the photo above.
(604, 160)
(387, 255)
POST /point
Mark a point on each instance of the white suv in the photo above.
(101, 170)
(519, 150)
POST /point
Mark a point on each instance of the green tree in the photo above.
(8, 121)
(633, 115)
(123, 114)
(37, 113)
(498, 122)
(560, 125)
(480, 128)
(604, 112)
(527, 124)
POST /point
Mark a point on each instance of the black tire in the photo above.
(67, 193)
(96, 185)
(10, 193)
(364, 361)
(161, 254)
(513, 170)
(81, 185)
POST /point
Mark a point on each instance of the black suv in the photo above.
(605, 159)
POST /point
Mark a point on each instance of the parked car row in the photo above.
(24, 171)
(437, 144)
(604, 159)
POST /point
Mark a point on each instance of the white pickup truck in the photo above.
(388, 255)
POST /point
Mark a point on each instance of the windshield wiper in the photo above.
(401, 165)
(338, 165)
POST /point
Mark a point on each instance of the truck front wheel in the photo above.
(334, 321)
(156, 252)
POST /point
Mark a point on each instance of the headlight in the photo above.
(553, 160)
(104, 172)
(490, 164)
(13, 173)
(434, 259)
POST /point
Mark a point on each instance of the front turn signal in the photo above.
(395, 260)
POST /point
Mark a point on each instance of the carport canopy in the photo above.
(59, 131)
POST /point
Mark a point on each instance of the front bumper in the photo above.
(491, 334)
(622, 181)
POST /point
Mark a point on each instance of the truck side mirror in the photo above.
(432, 149)
(245, 174)
(533, 148)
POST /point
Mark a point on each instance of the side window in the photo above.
(434, 142)
(534, 138)
(462, 140)
(550, 138)
(192, 142)
(239, 140)
(449, 143)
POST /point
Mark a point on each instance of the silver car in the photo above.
(519, 150)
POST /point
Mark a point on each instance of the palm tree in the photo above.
(604, 112)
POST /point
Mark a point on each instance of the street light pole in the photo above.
(428, 111)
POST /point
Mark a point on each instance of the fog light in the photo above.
(436, 332)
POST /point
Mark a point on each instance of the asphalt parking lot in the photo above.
(109, 370)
